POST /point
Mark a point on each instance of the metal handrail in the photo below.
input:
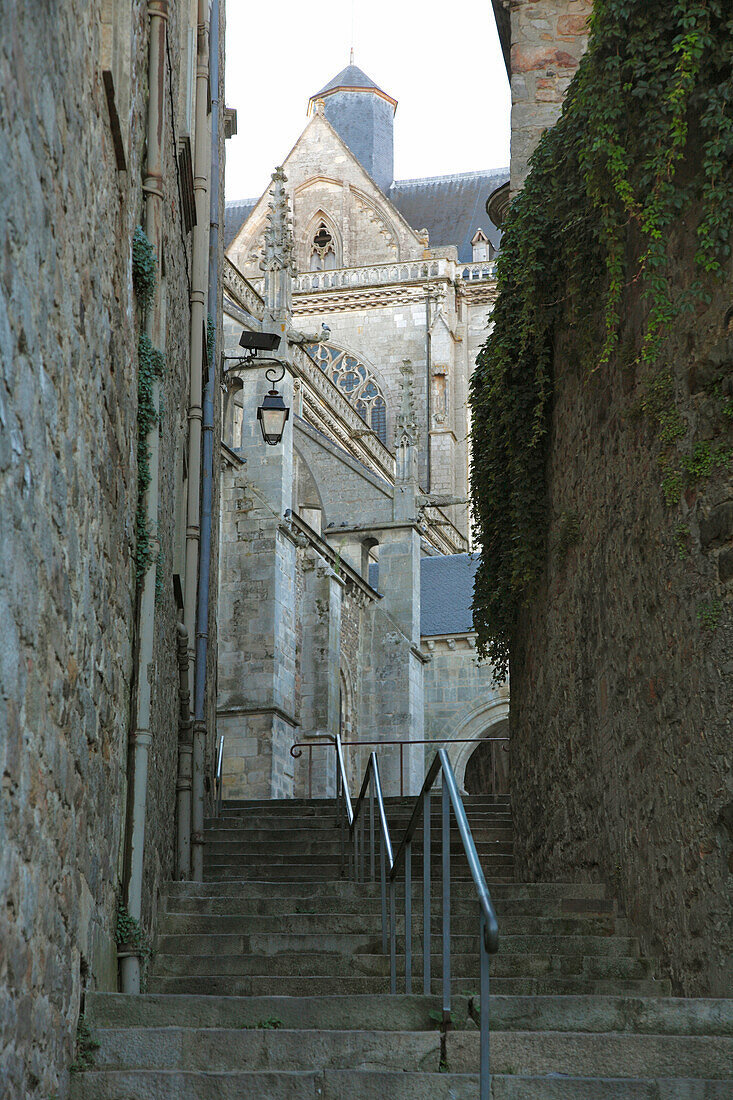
(391, 864)
(321, 740)
(488, 925)
(219, 775)
(372, 785)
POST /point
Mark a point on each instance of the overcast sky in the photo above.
(442, 62)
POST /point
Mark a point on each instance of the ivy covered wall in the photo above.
(603, 481)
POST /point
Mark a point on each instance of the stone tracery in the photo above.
(357, 383)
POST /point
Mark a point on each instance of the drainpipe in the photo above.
(200, 260)
(185, 750)
(428, 380)
(207, 489)
(141, 737)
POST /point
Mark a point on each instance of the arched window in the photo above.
(323, 251)
(357, 384)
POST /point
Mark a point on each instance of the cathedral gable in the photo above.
(366, 228)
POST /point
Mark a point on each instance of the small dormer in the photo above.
(481, 245)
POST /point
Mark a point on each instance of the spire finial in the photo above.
(351, 56)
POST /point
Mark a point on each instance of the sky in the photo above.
(441, 62)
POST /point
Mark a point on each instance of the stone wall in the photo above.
(461, 702)
(622, 675)
(68, 490)
(548, 38)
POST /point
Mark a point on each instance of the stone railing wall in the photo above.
(411, 271)
(242, 290)
(482, 269)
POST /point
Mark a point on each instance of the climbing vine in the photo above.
(143, 267)
(644, 143)
(151, 363)
(129, 934)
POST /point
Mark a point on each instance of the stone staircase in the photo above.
(269, 982)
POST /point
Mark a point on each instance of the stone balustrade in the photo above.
(410, 271)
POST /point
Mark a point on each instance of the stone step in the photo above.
(302, 843)
(367, 959)
(643, 1015)
(368, 1084)
(602, 1054)
(330, 852)
(279, 831)
(345, 888)
(328, 822)
(229, 928)
(321, 985)
(317, 805)
(368, 908)
(499, 864)
(326, 873)
(464, 923)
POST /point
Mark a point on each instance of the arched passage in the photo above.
(487, 768)
(483, 718)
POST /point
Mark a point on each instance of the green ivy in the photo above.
(86, 1045)
(151, 363)
(129, 933)
(708, 613)
(210, 339)
(143, 267)
(606, 188)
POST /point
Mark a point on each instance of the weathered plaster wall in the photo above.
(548, 38)
(68, 488)
(622, 699)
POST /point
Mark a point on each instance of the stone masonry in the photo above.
(543, 41)
(68, 489)
(622, 685)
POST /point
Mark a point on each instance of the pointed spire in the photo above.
(277, 260)
(351, 56)
(406, 428)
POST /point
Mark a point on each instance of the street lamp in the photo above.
(273, 412)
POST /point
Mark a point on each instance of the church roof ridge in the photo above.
(476, 174)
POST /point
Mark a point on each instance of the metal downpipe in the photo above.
(185, 753)
(141, 736)
(199, 286)
(207, 489)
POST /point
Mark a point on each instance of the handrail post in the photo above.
(371, 831)
(485, 1068)
(383, 880)
(392, 940)
(408, 918)
(402, 771)
(340, 813)
(310, 771)
(427, 870)
(446, 900)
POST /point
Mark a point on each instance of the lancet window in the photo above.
(356, 382)
(323, 250)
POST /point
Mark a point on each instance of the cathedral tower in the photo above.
(363, 116)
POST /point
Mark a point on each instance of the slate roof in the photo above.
(350, 77)
(446, 594)
(235, 215)
(451, 208)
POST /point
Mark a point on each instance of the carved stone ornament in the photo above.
(406, 428)
(278, 262)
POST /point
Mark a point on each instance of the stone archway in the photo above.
(482, 719)
(487, 768)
